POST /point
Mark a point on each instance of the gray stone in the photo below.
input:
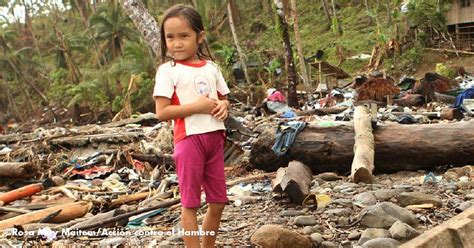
(316, 237)
(349, 191)
(469, 197)
(338, 212)
(381, 243)
(403, 187)
(386, 194)
(344, 186)
(343, 202)
(279, 221)
(412, 198)
(113, 242)
(343, 221)
(305, 220)
(365, 198)
(291, 213)
(383, 215)
(310, 229)
(463, 206)
(175, 238)
(354, 235)
(328, 244)
(346, 244)
(402, 231)
(165, 244)
(372, 233)
(276, 236)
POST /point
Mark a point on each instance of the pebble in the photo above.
(381, 243)
(291, 213)
(305, 220)
(404, 187)
(365, 198)
(338, 212)
(372, 233)
(316, 237)
(354, 235)
(401, 231)
(328, 244)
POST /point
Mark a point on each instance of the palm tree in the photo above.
(111, 28)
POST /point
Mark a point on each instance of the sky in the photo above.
(19, 10)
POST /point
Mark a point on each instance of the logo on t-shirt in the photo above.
(202, 85)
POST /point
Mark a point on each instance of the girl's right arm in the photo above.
(165, 111)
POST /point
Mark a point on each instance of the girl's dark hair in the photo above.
(195, 22)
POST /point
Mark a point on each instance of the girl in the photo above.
(192, 91)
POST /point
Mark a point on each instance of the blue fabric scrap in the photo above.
(286, 134)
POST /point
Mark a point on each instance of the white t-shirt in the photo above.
(184, 83)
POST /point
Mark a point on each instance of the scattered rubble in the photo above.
(115, 184)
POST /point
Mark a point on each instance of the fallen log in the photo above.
(18, 170)
(397, 147)
(295, 180)
(67, 212)
(363, 163)
(322, 111)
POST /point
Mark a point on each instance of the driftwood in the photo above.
(397, 147)
(104, 222)
(102, 217)
(295, 180)
(66, 212)
(250, 178)
(18, 170)
(363, 163)
(83, 140)
(130, 198)
(322, 111)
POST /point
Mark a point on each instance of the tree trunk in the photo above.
(289, 64)
(236, 42)
(295, 180)
(145, 23)
(397, 147)
(18, 170)
(326, 11)
(336, 20)
(363, 163)
(299, 48)
(367, 9)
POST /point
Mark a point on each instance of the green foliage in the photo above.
(446, 71)
(226, 52)
(89, 93)
(428, 13)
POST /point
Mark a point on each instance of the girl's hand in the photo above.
(220, 111)
(205, 105)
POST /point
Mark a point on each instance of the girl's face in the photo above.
(182, 42)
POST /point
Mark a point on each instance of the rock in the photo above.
(349, 191)
(372, 233)
(338, 212)
(305, 220)
(413, 198)
(310, 229)
(383, 215)
(165, 244)
(279, 221)
(403, 187)
(175, 238)
(273, 236)
(328, 244)
(354, 235)
(316, 237)
(463, 206)
(329, 176)
(343, 221)
(386, 194)
(113, 242)
(344, 186)
(469, 197)
(381, 243)
(343, 202)
(402, 231)
(346, 244)
(365, 198)
(291, 213)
